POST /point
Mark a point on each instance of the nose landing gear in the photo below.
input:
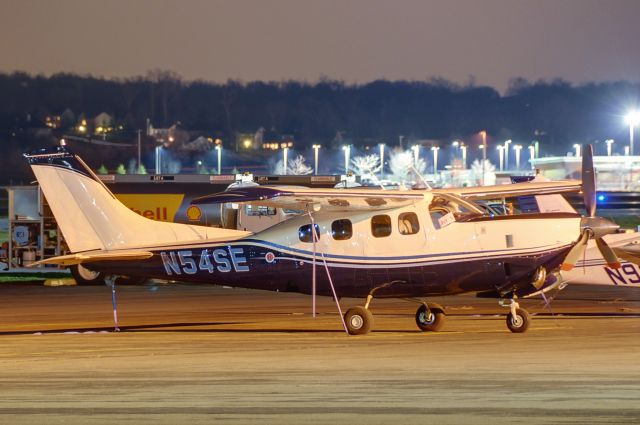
(518, 319)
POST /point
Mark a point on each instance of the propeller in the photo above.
(592, 226)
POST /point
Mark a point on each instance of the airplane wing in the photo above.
(629, 252)
(314, 199)
(80, 258)
(514, 189)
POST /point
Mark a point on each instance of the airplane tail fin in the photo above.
(92, 218)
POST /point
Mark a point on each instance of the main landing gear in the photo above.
(359, 320)
(518, 319)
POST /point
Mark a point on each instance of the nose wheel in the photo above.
(518, 319)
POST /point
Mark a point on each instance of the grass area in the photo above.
(30, 277)
(4, 236)
(625, 221)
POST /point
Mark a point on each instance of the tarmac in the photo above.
(206, 354)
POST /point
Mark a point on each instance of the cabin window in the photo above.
(341, 230)
(408, 223)
(380, 226)
(304, 233)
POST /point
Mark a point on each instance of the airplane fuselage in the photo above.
(402, 252)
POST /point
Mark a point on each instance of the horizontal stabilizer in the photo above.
(82, 258)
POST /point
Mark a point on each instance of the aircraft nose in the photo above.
(600, 226)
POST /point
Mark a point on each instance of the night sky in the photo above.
(489, 41)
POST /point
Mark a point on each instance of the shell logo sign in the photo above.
(156, 207)
(194, 213)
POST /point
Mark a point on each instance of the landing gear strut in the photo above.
(518, 319)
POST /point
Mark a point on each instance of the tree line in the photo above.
(556, 113)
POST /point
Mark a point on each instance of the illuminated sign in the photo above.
(162, 207)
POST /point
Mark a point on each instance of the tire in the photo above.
(431, 321)
(359, 320)
(520, 323)
(84, 276)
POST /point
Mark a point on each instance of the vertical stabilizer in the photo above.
(90, 216)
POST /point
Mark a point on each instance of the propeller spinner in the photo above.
(592, 226)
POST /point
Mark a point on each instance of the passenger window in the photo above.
(380, 226)
(304, 233)
(341, 229)
(408, 223)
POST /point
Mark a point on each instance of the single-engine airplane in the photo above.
(366, 243)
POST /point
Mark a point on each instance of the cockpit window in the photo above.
(446, 208)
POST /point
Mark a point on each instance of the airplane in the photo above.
(358, 243)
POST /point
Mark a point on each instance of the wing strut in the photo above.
(324, 260)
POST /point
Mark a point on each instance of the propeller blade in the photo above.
(575, 253)
(609, 256)
(588, 181)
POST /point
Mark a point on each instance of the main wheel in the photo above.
(84, 276)
(359, 320)
(431, 319)
(520, 322)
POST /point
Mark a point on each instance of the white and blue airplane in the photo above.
(347, 242)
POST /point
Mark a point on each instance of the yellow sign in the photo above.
(160, 207)
(194, 213)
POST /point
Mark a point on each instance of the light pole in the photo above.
(577, 148)
(159, 159)
(347, 153)
(435, 150)
(219, 152)
(609, 142)
(382, 160)
(416, 154)
(501, 154)
(506, 154)
(517, 148)
(632, 118)
(483, 133)
(285, 152)
(464, 157)
(315, 157)
(536, 145)
(139, 151)
(532, 155)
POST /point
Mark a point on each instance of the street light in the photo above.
(506, 154)
(219, 149)
(483, 133)
(517, 148)
(347, 153)
(435, 150)
(609, 142)
(381, 160)
(532, 155)
(501, 154)
(632, 118)
(463, 148)
(416, 154)
(577, 148)
(285, 153)
(315, 157)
